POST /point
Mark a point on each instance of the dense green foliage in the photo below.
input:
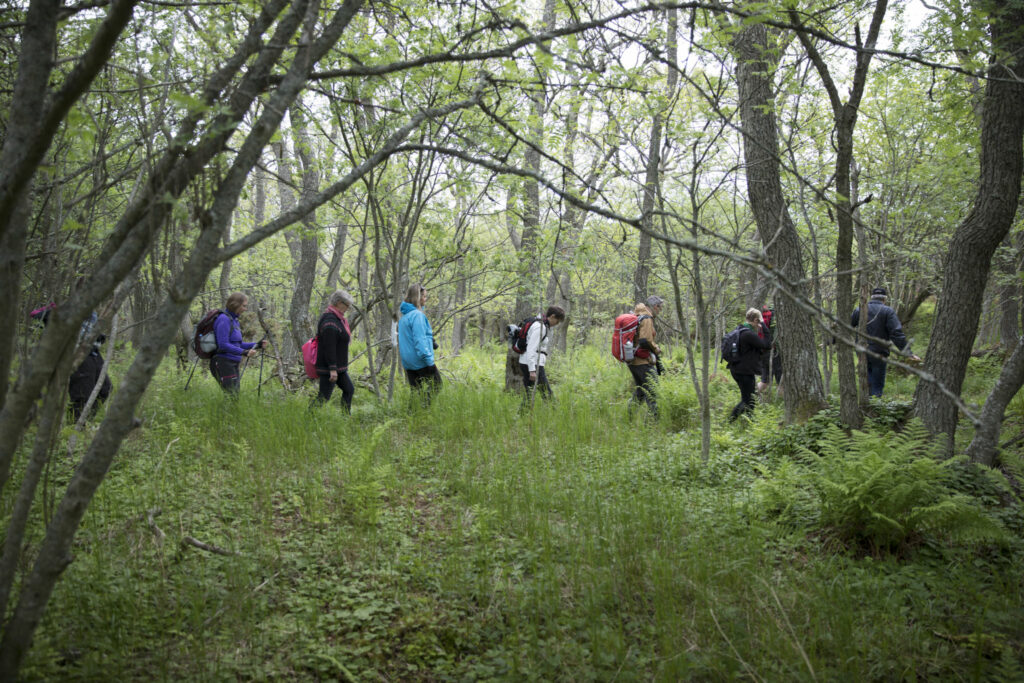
(468, 540)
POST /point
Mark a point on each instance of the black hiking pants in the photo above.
(540, 384)
(748, 392)
(644, 377)
(225, 371)
(425, 380)
(344, 382)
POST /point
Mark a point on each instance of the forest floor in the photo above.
(467, 540)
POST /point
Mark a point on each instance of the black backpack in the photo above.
(204, 341)
(731, 345)
(517, 335)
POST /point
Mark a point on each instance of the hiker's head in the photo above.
(416, 295)
(340, 299)
(654, 303)
(555, 315)
(236, 302)
(754, 316)
(879, 294)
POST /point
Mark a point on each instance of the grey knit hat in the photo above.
(654, 300)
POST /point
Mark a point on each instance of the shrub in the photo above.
(876, 492)
(678, 404)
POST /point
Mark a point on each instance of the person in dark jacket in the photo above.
(333, 335)
(749, 364)
(83, 380)
(230, 347)
(882, 324)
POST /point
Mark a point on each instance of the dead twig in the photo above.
(188, 540)
(151, 515)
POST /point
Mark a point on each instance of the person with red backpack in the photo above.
(535, 355)
(227, 330)
(333, 335)
(771, 362)
(646, 365)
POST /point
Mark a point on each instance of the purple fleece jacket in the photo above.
(228, 332)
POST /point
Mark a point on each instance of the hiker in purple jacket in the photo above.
(230, 347)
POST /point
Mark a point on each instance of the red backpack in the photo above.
(517, 335)
(624, 338)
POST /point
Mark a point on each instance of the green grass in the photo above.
(467, 541)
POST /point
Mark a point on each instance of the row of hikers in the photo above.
(633, 343)
(749, 350)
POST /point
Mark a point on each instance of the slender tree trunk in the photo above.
(969, 259)
(984, 447)
(49, 425)
(334, 270)
(845, 121)
(529, 290)
(459, 321)
(225, 268)
(804, 395)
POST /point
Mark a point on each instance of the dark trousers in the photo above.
(344, 382)
(876, 376)
(748, 387)
(644, 377)
(426, 380)
(225, 371)
(540, 384)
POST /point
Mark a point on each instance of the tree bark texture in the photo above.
(969, 259)
(804, 395)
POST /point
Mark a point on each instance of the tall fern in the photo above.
(881, 492)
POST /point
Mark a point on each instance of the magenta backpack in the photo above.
(309, 357)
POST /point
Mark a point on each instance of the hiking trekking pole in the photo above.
(259, 387)
(194, 364)
(244, 366)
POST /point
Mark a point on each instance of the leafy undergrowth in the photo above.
(467, 541)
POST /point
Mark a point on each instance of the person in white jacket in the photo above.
(532, 361)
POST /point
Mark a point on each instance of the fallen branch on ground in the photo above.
(188, 540)
(151, 516)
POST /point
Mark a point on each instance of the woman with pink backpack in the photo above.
(333, 334)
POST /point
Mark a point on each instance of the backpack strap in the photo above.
(640, 319)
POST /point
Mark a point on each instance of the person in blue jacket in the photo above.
(230, 347)
(416, 343)
(883, 324)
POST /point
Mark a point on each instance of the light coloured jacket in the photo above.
(415, 338)
(537, 338)
(645, 331)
